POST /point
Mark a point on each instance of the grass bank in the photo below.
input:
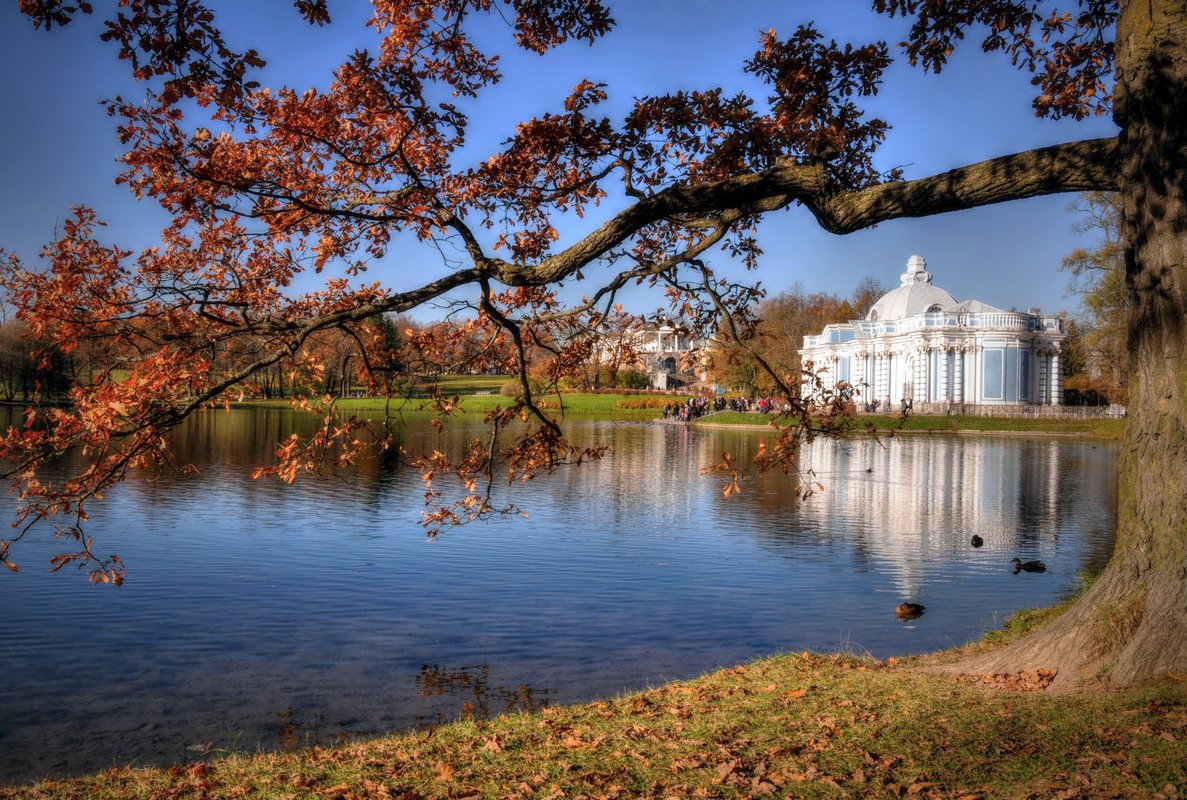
(1093, 428)
(802, 725)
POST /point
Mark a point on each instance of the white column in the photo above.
(1034, 378)
(958, 379)
(1043, 394)
(945, 395)
(888, 388)
(1050, 380)
(1056, 380)
(928, 397)
(920, 390)
(1032, 389)
(975, 377)
(937, 395)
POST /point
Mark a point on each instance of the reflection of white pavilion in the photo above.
(901, 505)
(919, 343)
(922, 498)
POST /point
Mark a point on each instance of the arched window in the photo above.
(874, 315)
(934, 308)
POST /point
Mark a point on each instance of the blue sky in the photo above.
(60, 146)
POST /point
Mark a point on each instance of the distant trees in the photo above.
(1098, 276)
(335, 362)
(617, 351)
(29, 370)
(783, 320)
(17, 365)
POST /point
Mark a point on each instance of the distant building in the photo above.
(670, 355)
(920, 343)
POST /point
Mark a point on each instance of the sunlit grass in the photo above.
(571, 404)
(1095, 428)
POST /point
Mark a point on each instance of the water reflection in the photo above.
(476, 696)
(323, 601)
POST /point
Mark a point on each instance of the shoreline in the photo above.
(1102, 429)
(605, 407)
(926, 432)
(787, 725)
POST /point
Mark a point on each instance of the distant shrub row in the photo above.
(647, 402)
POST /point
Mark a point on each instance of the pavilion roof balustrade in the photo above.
(940, 320)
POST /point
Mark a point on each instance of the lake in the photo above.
(263, 615)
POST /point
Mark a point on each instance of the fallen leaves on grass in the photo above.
(1025, 681)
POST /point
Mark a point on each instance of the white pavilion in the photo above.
(920, 343)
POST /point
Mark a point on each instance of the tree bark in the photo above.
(1131, 627)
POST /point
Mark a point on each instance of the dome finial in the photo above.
(915, 296)
(916, 271)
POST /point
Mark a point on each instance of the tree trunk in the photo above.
(1132, 625)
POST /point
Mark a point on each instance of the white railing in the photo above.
(1023, 410)
(998, 321)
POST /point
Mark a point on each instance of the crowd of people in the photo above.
(763, 405)
(905, 406)
(697, 407)
(693, 408)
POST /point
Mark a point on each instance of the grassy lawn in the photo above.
(607, 406)
(799, 725)
(1095, 428)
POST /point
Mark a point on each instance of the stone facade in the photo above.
(670, 355)
(921, 344)
(665, 352)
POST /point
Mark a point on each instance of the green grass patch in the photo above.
(579, 405)
(790, 726)
(737, 418)
(1093, 428)
(1021, 623)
